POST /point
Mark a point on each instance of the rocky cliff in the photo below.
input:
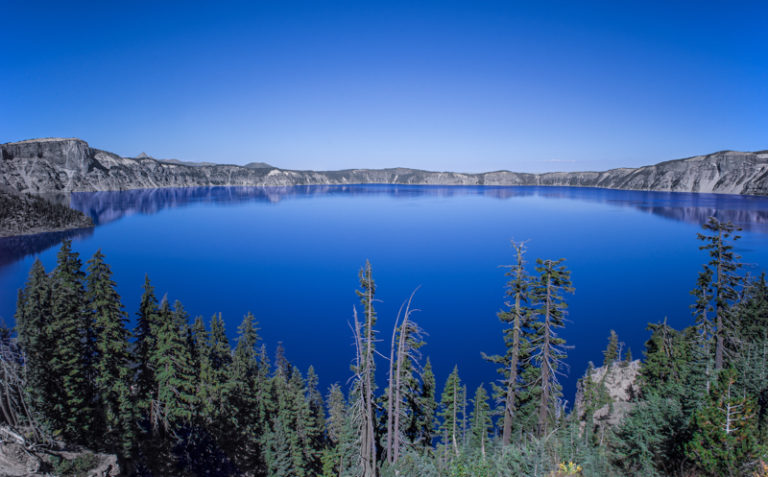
(607, 393)
(47, 165)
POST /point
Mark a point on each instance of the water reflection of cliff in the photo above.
(15, 248)
(751, 213)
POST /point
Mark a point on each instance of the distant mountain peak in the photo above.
(259, 165)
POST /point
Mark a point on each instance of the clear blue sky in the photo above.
(530, 86)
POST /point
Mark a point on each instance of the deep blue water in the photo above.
(291, 256)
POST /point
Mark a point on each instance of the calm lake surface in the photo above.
(291, 256)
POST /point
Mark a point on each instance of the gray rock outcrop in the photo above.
(619, 382)
(19, 461)
(68, 165)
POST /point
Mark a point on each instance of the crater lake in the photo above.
(292, 255)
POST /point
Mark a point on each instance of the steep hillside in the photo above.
(47, 165)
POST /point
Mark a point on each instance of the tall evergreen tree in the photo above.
(145, 346)
(111, 363)
(721, 270)
(453, 411)
(426, 407)
(242, 406)
(214, 384)
(701, 309)
(33, 315)
(611, 353)
(753, 311)
(481, 420)
(333, 456)
(73, 347)
(672, 381)
(516, 338)
(174, 402)
(364, 369)
(316, 420)
(293, 423)
(554, 280)
(594, 395)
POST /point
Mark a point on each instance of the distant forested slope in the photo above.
(27, 214)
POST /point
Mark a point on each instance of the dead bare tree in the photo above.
(14, 407)
(549, 353)
(403, 357)
(365, 339)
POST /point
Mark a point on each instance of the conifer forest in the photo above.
(172, 396)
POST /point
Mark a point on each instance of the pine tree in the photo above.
(753, 311)
(549, 353)
(673, 385)
(426, 408)
(242, 406)
(721, 271)
(725, 438)
(628, 356)
(111, 363)
(33, 314)
(316, 439)
(453, 411)
(145, 346)
(214, 384)
(364, 380)
(516, 338)
(594, 395)
(175, 401)
(333, 458)
(671, 368)
(72, 348)
(293, 423)
(278, 452)
(282, 365)
(481, 420)
(611, 353)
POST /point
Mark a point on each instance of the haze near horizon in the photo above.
(463, 86)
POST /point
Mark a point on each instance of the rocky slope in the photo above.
(18, 461)
(619, 384)
(54, 164)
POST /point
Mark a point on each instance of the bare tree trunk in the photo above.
(390, 417)
(509, 404)
(362, 405)
(370, 462)
(545, 365)
(402, 354)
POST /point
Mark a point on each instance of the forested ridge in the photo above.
(27, 214)
(173, 396)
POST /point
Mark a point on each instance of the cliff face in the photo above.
(69, 165)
